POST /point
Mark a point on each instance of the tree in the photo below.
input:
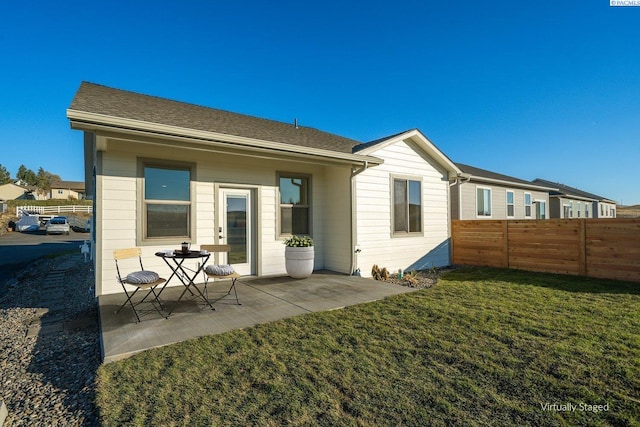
(45, 180)
(5, 176)
(26, 175)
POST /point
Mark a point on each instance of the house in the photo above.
(162, 172)
(482, 194)
(13, 191)
(569, 202)
(67, 190)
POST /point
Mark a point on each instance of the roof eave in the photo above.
(428, 146)
(511, 183)
(82, 120)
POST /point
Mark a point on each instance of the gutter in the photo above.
(355, 248)
(93, 122)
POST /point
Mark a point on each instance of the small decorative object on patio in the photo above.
(298, 256)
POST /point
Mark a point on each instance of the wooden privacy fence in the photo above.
(604, 248)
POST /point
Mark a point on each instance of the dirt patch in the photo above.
(417, 279)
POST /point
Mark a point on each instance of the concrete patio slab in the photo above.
(263, 300)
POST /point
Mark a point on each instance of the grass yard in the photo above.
(482, 347)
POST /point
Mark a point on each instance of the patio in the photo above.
(263, 300)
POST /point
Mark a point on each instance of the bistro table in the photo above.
(175, 261)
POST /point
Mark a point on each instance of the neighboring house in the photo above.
(482, 194)
(161, 172)
(67, 190)
(15, 192)
(569, 202)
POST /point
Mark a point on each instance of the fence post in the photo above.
(582, 247)
(505, 243)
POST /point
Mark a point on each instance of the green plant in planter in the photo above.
(298, 242)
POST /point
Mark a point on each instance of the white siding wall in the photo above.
(373, 192)
(337, 219)
(117, 198)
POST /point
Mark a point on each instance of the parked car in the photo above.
(28, 223)
(57, 224)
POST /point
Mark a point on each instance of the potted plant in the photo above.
(298, 256)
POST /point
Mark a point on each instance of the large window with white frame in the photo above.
(527, 205)
(295, 204)
(511, 206)
(483, 201)
(407, 206)
(166, 201)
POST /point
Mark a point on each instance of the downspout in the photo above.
(355, 271)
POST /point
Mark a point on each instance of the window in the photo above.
(601, 210)
(570, 209)
(586, 210)
(566, 211)
(60, 192)
(510, 204)
(579, 209)
(294, 204)
(527, 205)
(541, 211)
(483, 201)
(407, 206)
(166, 202)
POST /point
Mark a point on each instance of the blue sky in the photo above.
(531, 89)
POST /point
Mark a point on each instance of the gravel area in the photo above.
(48, 379)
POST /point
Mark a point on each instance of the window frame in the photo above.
(512, 204)
(408, 232)
(530, 205)
(308, 206)
(481, 187)
(141, 214)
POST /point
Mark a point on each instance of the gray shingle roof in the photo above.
(93, 98)
(482, 173)
(569, 191)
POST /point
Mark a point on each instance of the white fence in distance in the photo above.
(52, 210)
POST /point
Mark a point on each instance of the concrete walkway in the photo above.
(263, 300)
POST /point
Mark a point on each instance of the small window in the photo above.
(586, 210)
(579, 209)
(60, 192)
(483, 201)
(566, 211)
(407, 206)
(167, 202)
(511, 211)
(294, 204)
(527, 205)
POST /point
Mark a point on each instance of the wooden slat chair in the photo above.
(143, 279)
(213, 249)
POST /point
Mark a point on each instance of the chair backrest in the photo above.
(127, 253)
(216, 248)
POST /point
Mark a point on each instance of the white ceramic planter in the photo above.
(299, 261)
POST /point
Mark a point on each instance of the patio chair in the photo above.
(220, 272)
(142, 279)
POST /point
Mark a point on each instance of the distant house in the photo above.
(68, 190)
(569, 202)
(15, 192)
(482, 194)
(162, 172)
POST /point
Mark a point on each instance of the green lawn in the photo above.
(482, 347)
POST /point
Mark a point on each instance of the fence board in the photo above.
(603, 248)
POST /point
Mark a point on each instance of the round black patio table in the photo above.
(175, 262)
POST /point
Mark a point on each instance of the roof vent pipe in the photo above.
(295, 122)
